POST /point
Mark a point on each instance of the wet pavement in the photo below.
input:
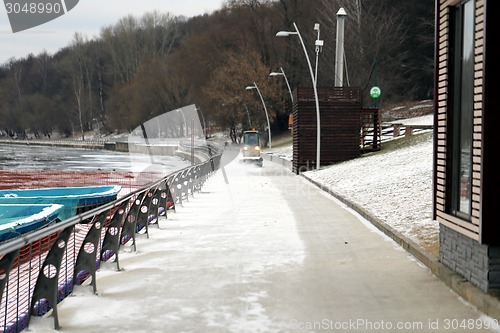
(263, 250)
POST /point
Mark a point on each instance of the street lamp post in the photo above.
(282, 73)
(318, 48)
(318, 123)
(248, 115)
(204, 129)
(265, 109)
(339, 49)
(185, 124)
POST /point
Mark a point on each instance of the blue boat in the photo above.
(16, 219)
(74, 199)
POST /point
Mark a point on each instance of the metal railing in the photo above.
(390, 131)
(40, 268)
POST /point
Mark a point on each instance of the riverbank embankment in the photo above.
(160, 149)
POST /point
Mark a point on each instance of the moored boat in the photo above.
(74, 199)
(16, 219)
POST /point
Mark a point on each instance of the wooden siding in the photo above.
(472, 228)
(340, 117)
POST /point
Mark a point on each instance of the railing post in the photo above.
(111, 241)
(5, 268)
(166, 196)
(87, 256)
(47, 282)
(128, 229)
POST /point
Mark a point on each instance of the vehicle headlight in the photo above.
(245, 148)
(257, 148)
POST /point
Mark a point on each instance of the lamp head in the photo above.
(284, 33)
(341, 13)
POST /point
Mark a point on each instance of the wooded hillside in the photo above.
(141, 67)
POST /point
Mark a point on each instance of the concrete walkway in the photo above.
(263, 250)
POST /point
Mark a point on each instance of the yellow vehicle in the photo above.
(251, 147)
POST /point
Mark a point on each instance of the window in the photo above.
(461, 110)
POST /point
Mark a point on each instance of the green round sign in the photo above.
(375, 92)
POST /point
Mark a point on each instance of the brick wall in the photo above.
(477, 263)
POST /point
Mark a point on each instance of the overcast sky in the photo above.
(88, 17)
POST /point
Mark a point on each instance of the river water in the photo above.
(29, 157)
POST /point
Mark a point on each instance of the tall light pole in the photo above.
(265, 109)
(282, 73)
(318, 122)
(318, 48)
(184, 119)
(248, 115)
(339, 49)
(204, 130)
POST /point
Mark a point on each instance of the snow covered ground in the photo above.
(239, 257)
(213, 245)
(394, 186)
(169, 284)
(422, 120)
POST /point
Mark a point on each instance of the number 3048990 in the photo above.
(33, 8)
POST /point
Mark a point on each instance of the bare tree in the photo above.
(79, 71)
(16, 68)
(227, 90)
(43, 61)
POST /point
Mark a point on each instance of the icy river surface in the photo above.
(22, 157)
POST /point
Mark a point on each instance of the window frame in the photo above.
(460, 114)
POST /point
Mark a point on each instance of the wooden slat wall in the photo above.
(471, 230)
(340, 111)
